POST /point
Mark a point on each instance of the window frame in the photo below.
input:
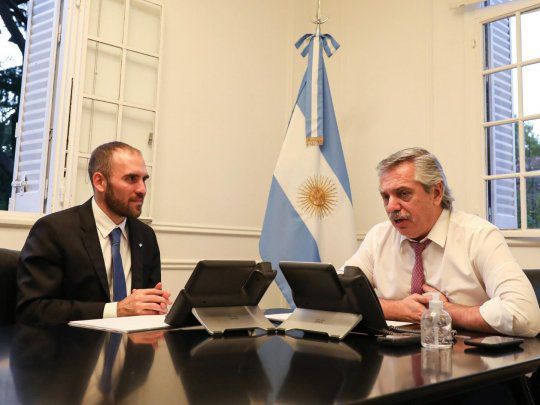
(476, 120)
(66, 116)
(78, 95)
(59, 121)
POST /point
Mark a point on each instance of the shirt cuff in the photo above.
(109, 311)
(497, 316)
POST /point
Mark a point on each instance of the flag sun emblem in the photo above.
(317, 196)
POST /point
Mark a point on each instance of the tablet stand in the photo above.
(335, 324)
(223, 295)
(217, 320)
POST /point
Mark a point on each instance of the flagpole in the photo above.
(318, 19)
(310, 200)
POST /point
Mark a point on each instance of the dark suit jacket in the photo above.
(61, 275)
(54, 365)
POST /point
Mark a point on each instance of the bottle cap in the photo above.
(435, 303)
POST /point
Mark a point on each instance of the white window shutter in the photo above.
(33, 128)
(504, 200)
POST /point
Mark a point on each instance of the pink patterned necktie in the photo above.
(417, 279)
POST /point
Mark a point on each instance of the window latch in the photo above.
(20, 185)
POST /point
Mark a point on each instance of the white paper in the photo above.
(397, 324)
(124, 324)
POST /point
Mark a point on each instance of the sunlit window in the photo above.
(512, 119)
(119, 101)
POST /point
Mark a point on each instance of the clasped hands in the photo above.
(411, 308)
(147, 301)
(415, 304)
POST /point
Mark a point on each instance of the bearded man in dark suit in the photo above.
(97, 259)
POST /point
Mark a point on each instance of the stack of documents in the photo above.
(124, 324)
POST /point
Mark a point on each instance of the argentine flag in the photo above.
(309, 216)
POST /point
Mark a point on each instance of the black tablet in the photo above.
(316, 286)
(220, 283)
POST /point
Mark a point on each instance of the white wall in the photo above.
(382, 82)
(230, 75)
(403, 78)
(224, 106)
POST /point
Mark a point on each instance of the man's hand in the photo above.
(148, 301)
(409, 309)
(147, 338)
(462, 316)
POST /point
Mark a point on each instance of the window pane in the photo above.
(503, 203)
(501, 95)
(106, 19)
(488, 3)
(147, 15)
(531, 89)
(533, 202)
(83, 188)
(11, 60)
(532, 144)
(530, 32)
(138, 130)
(98, 124)
(141, 79)
(499, 40)
(502, 155)
(102, 76)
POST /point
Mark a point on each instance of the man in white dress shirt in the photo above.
(462, 256)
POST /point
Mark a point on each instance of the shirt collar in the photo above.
(104, 224)
(438, 232)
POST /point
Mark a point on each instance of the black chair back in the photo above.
(534, 278)
(8, 285)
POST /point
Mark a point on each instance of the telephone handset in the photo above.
(361, 290)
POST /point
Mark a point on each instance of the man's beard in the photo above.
(119, 207)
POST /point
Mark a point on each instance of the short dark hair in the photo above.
(100, 160)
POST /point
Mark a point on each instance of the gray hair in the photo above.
(428, 170)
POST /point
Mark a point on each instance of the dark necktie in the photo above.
(119, 280)
(111, 350)
(417, 279)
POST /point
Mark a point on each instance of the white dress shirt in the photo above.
(468, 260)
(104, 227)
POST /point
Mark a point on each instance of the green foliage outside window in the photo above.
(13, 21)
(532, 162)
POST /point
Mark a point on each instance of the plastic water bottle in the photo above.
(436, 325)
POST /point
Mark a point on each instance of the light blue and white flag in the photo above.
(309, 216)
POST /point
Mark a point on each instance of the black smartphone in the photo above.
(399, 340)
(494, 342)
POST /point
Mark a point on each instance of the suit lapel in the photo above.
(92, 245)
(135, 245)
